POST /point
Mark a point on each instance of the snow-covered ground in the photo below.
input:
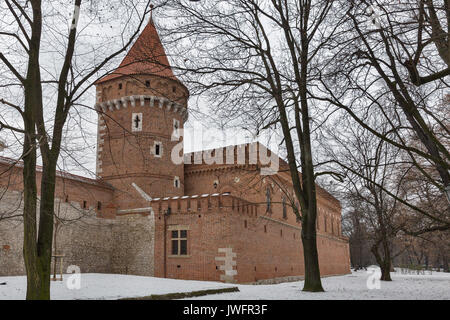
(353, 286)
(107, 287)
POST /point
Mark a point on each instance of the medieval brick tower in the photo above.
(141, 106)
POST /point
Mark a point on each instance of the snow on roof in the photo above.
(192, 197)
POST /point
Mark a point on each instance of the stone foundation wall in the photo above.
(133, 245)
(123, 245)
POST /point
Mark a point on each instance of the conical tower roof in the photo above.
(146, 56)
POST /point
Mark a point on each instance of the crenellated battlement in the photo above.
(201, 204)
(143, 100)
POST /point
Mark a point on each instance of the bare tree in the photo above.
(392, 59)
(369, 170)
(30, 28)
(354, 226)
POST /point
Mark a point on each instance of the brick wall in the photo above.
(230, 239)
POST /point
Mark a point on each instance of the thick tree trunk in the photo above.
(313, 282)
(37, 287)
(383, 261)
(29, 221)
(386, 271)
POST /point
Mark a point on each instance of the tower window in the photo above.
(176, 182)
(176, 127)
(147, 83)
(157, 149)
(99, 205)
(120, 86)
(136, 122)
(174, 89)
(284, 208)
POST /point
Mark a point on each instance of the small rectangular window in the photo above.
(176, 128)
(99, 205)
(147, 83)
(84, 204)
(157, 149)
(120, 86)
(176, 182)
(136, 122)
(179, 243)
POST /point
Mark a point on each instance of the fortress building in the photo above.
(147, 214)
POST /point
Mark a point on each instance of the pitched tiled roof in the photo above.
(61, 174)
(146, 56)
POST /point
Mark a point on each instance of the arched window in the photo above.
(284, 208)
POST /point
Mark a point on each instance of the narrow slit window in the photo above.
(268, 200)
(158, 149)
